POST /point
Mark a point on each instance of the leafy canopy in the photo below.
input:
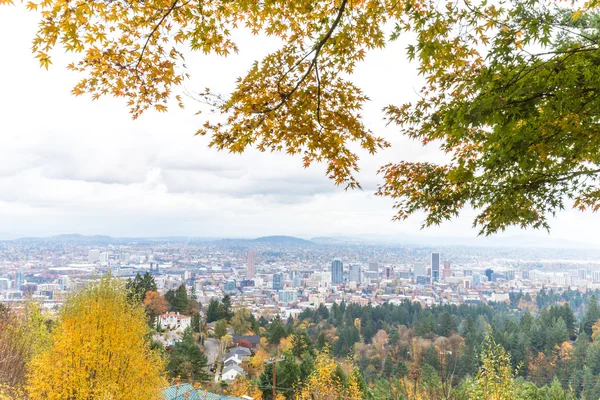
(99, 350)
(511, 93)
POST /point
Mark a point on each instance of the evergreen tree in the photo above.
(226, 309)
(275, 331)
(214, 311)
(591, 316)
(180, 301)
(187, 361)
(139, 286)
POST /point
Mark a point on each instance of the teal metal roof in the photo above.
(187, 392)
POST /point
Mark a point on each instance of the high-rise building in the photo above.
(468, 272)
(596, 276)
(4, 283)
(288, 296)
(93, 256)
(476, 279)
(19, 281)
(525, 275)
(435, 267)
(64, 282)
(510, 275)
(355, 273)
(419, 270)
(582, 273)
(104, 257)
(373, 266)
(277, 281)
(488, 274)
(387, 273)
(337, 271)
(447, 272)
(250, 262)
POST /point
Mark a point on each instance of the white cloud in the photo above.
(72, 165)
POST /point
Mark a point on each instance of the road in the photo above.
(211, 349)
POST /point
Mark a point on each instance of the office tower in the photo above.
(596, 276)
(19, 279)
(582, 273)
(435, 267)
(488, 273)
(355, 273)
(4, 283)
(525, 275)
(467, 272)
(447, 272)
(288, 296)
(373, 266)
(277, 281)
(63, 282)
(93, 256)
(510, 275)
(154, 268)
(419, 270)
(387, 273)
(250, 262)
(337, 271)
(476, 279)
(104, 258)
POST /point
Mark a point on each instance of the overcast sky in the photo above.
(70, 165)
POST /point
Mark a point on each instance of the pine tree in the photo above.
(187, 361)
(181, 302)
(226, 309)
(214, 311)
(591, 316)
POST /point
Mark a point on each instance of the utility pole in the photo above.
(275, 380)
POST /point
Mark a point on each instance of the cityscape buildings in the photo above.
(435, 267)
(250, 262)
(337, 271)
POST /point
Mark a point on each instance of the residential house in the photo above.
(174, 321)
(231, 372)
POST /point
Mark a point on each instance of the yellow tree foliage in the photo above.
(257, 362)
(324, 384)
(241, 386)
(99, 350)
(495, 379)
(595, 330)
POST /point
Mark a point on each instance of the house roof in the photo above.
(254, 339)
(187, 392)
(241, 350)
(232, 355)
(173, 314)
(235, 368)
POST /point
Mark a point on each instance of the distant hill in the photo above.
(283, 241)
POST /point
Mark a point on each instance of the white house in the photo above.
(175, 321)
(231, 372)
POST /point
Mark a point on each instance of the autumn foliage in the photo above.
(99, 350)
